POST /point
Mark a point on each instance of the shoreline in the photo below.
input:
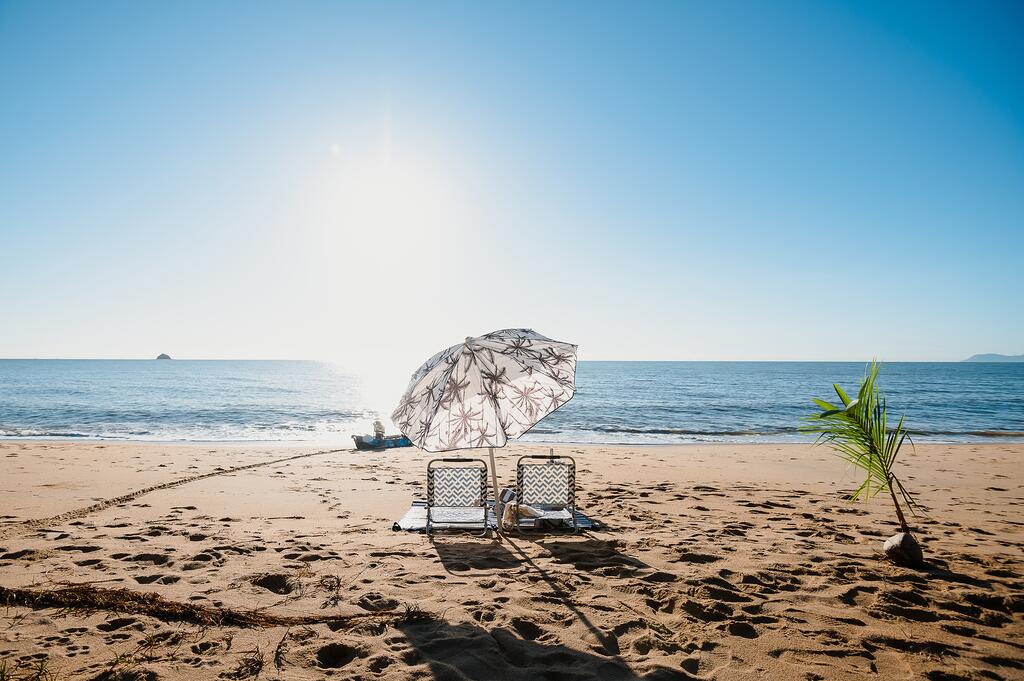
(994, 437)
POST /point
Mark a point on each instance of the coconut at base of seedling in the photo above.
(903, 549)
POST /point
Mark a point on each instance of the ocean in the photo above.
(615, 402)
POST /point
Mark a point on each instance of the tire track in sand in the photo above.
(18, 528)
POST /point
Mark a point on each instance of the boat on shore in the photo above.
(379, 440)
(387, 442)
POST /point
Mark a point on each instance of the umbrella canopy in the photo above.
(486, 391)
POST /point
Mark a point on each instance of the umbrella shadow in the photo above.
(609, 644)
(463, 556)
(467, 651)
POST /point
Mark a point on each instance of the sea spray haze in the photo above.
(643, 402)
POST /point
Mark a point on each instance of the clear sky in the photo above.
(356, 182)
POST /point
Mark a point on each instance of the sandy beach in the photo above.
(716, 562)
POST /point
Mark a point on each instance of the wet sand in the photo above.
(717, 561)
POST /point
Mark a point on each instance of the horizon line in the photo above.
(338, 361)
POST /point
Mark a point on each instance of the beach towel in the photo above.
(415, 519)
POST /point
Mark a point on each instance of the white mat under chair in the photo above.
(415, 519)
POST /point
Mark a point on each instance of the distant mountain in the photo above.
(993, 357)
(163, 355)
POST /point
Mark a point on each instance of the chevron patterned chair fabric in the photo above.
(547, 483)
(456, 492)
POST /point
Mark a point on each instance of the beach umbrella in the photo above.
(486, 391)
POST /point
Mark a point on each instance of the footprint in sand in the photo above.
(154, 558)
(162, 579)
(693, 557)
(337, 655)
(121, 623)
(275, 583)
(744, 629)
(376, 602)
(710, 659)
(527, 629)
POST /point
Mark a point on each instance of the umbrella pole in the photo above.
(494, 482)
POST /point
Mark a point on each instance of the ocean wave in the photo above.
(616, 403)
(298, 432)
(686, 431)
(768, 432)
(220, 433)
(968, 433)
(35, 432)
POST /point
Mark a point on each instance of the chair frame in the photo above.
(549, 459)
(484, 487)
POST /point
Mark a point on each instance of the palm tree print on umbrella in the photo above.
(555, 397)
(553, 358)
(454, 391)
(499, 375)
(527, 399)
(482, 436)
(520, 347)
(463, 422)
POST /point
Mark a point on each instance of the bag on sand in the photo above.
(507, 508)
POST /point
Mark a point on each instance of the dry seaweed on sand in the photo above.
(87, 598)
(249, 665)
(23, 670)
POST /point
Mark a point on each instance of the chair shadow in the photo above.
(591, 555)
(462, 556)
(467, 651)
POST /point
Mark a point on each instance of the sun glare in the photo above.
(373, 221)
(384, 203)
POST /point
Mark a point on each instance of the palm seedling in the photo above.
(858, 431)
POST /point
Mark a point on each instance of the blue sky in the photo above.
(733, 180)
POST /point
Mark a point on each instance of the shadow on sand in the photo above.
(938, 569)
(462, 556)
(592, 555)
(465, 651)
(588, 555)
(574, 552)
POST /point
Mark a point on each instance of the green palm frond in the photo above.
(858, 432)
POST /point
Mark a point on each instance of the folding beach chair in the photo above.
(457, 494)
(547, 483)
